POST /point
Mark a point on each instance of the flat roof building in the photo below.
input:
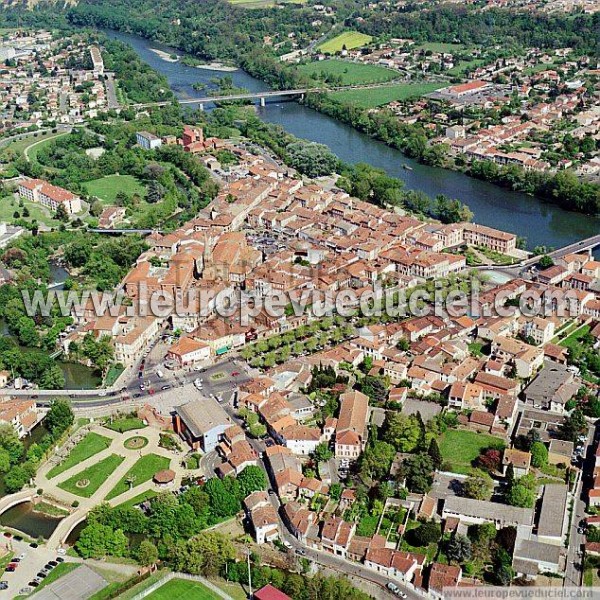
(201, 423)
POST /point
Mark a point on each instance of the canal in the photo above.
(540, 223)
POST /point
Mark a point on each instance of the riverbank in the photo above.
(541, 223)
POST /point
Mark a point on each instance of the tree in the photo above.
(52, 378)
(4, 461)
(573, 426)
(539, 454)
(377, 459)
(252, 479)
(427, 533)
(94, 540)
(60, 417)
(519, 495)
(322, 452)
(479, 485)
(402, 431)
(62, 214)
(546, 262)
(435, 454)
(15, 479)
(147, 553)
(10, 442)
(204, 554)
(458, 549)
(490, 460)
(418, 473)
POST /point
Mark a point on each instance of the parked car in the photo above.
(11, 568)
(53, 563)
(392, 587)
(42, 575)
(61, 551)
(60, 559)
(33, 584)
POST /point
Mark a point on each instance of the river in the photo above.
(540, 223)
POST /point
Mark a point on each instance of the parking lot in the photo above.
(30, 561)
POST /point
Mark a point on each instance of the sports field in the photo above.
(349, 72)
(182, 588)
(371, 98)
(350, 39)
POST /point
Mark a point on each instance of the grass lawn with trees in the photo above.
(91, 444)
(95, 476)
(350, 73)
(371, 98)
(8, 207)
(143, 470)
(182, 588)
(460, 447)
(107, 188)
(349, 39)
(573, 338)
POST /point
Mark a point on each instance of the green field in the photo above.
(147, 495)
(350, 39)
(96, 474)
(125, 424)
(91, 444)
(107, 188)
(573, 338)
(441, 47)
(460, 448)
(19, 146)
(351, 73)
(143, 470)
(8, 207)
(181, 588)
(371, 98)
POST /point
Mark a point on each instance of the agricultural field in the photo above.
(371, 98)
(441, 47)
(349, 39)
(460, 447)
(181, 588)
(107, 188)
(350, 73)
(91, 444)
(143, 470)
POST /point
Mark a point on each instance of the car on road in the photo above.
(287, 544)
(3, 585)
(137, 395)
(392, 587)
(151, 391)
(300, 551)
(142, 387)
(269, 443)
(159, 373)
(235, 373)
(165, 387)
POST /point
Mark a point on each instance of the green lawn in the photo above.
(107, 188)
(350, 39)
(573, 337)
(371, 98)
(8, 206)
(19, 146)
(460, 447)
(143, 470)
(182, 588)
(36, 145)
(147, 495)
(96, 474)
(125, 424)
(351, 73)
(91, 444)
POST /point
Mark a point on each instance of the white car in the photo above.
(159, 373)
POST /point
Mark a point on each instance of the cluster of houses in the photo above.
(38, 84)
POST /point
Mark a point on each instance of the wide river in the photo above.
(540, 223)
